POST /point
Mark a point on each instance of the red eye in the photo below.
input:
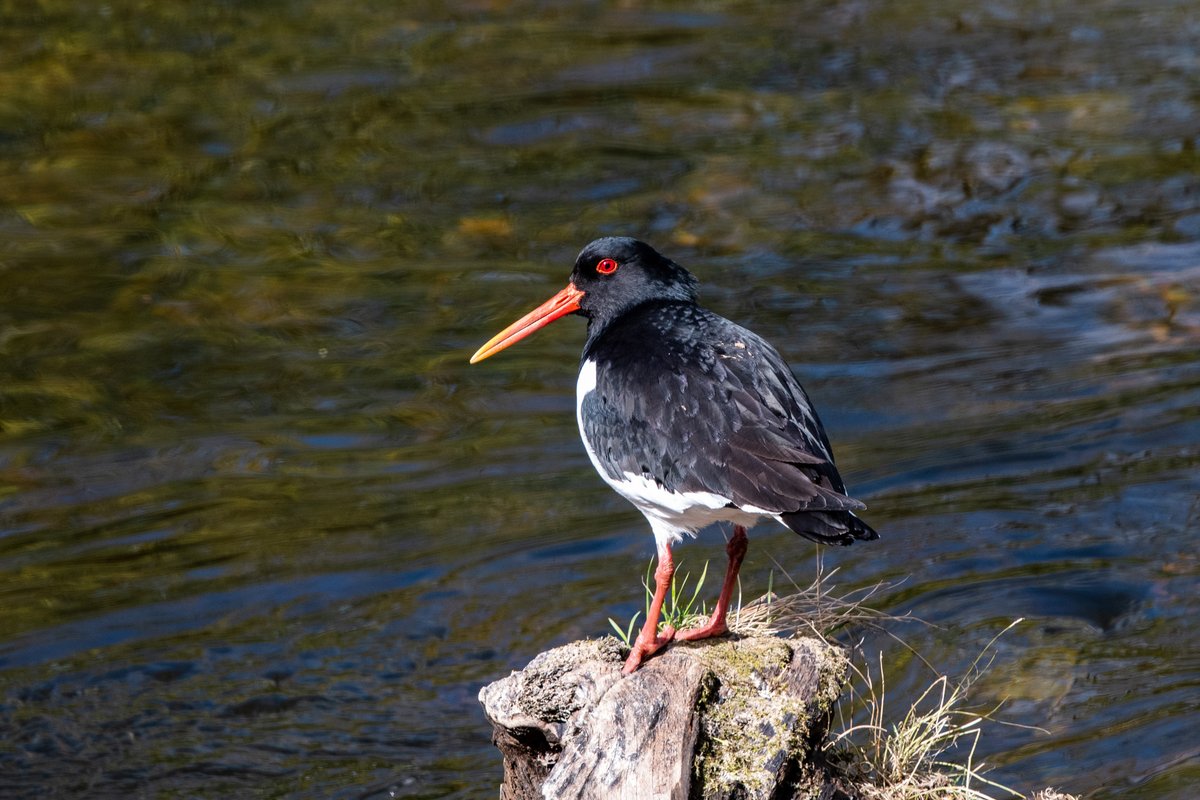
(606, 266)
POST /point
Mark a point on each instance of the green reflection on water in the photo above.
(245, 251)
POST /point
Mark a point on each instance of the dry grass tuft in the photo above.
(814, 609)
(912, 758)
(908, 758)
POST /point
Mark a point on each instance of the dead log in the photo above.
(723, 718)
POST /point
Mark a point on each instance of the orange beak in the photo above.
(560, 305)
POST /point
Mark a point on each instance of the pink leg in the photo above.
(648, 641)
(736, 548)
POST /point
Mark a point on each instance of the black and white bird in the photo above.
(690, 417)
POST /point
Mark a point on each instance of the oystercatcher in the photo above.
(690, 417)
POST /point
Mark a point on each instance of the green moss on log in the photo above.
(752, 728)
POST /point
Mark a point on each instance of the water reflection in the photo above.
(262, 531)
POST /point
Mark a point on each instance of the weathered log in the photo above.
(722, 718)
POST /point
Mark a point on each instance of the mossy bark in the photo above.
(723, 718)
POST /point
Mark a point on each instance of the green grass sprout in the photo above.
(680, 609)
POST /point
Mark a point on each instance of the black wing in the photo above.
(694, 402)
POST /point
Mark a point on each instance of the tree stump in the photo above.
(722, 718)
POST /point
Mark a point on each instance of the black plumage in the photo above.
(696, 403)
(691, 417)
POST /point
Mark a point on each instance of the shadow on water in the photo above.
(264, 533)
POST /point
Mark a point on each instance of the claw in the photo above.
(643, 649)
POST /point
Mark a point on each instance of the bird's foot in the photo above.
(714, 627)
(643, 649)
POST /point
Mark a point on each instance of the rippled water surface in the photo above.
(263, 532)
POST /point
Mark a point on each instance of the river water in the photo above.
(264, 533)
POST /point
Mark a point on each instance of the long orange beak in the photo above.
(560, 305)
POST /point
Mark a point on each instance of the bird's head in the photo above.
(611, 276)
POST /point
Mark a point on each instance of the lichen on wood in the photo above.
(775, 696)
(734, 717)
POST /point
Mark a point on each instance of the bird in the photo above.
(690, 417)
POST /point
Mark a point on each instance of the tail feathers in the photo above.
(829, 527)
